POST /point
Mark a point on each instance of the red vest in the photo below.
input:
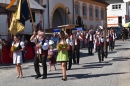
(97, 42)
(111, 37)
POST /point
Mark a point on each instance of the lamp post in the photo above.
(67, 13)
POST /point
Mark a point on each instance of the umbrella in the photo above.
(127, 24)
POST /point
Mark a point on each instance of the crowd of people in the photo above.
(62, 48)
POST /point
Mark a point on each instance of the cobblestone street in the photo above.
(114, 71)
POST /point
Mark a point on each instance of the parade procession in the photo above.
(40, 43)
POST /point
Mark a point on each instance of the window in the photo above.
(38, 1)
(116, 6)
(90, 11)
(84, 10)
(96, 13)
(102, 14)
(76, 9)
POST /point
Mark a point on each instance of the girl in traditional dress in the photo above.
(51, 54)
(62, 56)
(17, 48)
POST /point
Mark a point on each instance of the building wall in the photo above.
(92, 23)
(119, 12)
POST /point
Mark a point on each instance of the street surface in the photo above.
(114, 71)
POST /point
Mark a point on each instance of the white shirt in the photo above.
(17, 44)
(69, 41)
(44, 46)
(90, 37)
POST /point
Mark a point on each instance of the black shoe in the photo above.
(37, 76)
(100, 61)
(44, 77)
(64, 79)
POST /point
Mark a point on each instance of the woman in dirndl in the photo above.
(62, 56)
(17, 48)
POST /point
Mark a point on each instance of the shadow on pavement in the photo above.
(112, 52)
(85, 54)
(119, 59)
(81, 76)
(97, 65)
(123, 49)
(47, 74)
(93, 65)
(118, 45)
(6, 66)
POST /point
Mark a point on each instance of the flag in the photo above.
(20, 16)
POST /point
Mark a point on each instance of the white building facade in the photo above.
(119, 10)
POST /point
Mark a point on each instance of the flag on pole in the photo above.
(19, 17)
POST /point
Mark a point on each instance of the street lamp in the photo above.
(67, 13)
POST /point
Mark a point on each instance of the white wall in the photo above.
(119, 12)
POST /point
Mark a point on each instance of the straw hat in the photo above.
(51, 42)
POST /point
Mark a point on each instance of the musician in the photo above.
(70, 51)
(99, 45)
(111, 41)
(41, 53)
(76, 47)
(90, 39)
(114, 38)
(107, 44)
(95, 35)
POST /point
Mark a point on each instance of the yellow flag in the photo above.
(16, 26)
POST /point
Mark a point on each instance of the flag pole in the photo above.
(33, 27)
